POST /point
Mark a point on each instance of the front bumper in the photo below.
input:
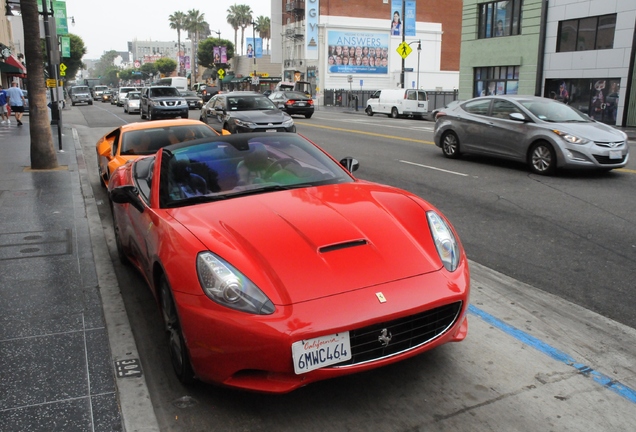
(254, 352)
(165, 112)
(594, 155)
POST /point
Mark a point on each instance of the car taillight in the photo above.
(290, 102)
(440, 114)
(310, 101)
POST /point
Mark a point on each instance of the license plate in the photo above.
(270, 130)
(301, 103)
(319, 352)
(615, 154)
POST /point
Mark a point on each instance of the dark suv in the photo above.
(162, 102)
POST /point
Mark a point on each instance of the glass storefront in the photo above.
(597, 97)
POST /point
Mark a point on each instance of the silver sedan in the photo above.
(543, 133)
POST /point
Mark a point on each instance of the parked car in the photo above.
(245, 111)
(162, 102)
(293, 102)
(256, 246)
(398, 102)
(543, 133)
(133, 140)
(194, 101)
(81, 94)
(132, 102)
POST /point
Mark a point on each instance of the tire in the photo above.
(125, 110)
(308, 116)
(450, 145)
(394, 112)
(149, 115)
(176, 343)
(542, 158)
(369, 111)
(185, 116)
(90, 103)
(73, 103)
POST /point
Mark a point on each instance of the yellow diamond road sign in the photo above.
(221, 73)
(404, 50)
(62, 67)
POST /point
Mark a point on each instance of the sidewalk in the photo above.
(57, 369)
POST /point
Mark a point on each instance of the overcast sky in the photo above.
(111, 24)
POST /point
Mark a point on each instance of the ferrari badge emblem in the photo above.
(385, 337)
(380, 297)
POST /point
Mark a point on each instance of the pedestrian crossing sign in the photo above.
(404, 50)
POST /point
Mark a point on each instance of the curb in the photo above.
(134, 398)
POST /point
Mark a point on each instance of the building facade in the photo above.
(578, 51)
(314, 34)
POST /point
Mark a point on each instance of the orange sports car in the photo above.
(143, 138)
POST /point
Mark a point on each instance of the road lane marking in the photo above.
(403, 125)
(604, 380)
(367, 133)
(434, 168)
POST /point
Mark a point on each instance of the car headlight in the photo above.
(244, 123)
(226, 286)
(288, 123)
(570, 138)
(445, 242)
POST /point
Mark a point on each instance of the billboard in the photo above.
(357, 53)
(254, 47)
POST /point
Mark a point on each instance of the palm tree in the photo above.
(233, 21)
(239, 16)
(42, 151)
(263, 27)
(178, 22)
(195, 25)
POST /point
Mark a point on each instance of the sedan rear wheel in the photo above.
(542, 158)
(176, 342)
(450, 145)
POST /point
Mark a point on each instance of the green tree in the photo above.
(166, 66)
(149, 69)
(232, 20)
(105, 63)
(127, 75)
(74, 63)
(264, 28)
(206, 51)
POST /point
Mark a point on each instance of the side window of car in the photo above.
(502, 109)
(479, 107)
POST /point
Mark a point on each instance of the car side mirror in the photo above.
(350, 164)
(127, 195)
(518, 117)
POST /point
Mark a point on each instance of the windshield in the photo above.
(164, 91)
(233, 166)
(80, 89)
(148, 141)
(188, 93)
(555, 112)
(250, 103)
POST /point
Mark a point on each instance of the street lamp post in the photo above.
(255, 78)
(218, 33)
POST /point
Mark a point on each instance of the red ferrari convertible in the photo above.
(274, 267)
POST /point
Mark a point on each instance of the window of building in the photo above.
(584, 34)
(496, 80)
(500, 18)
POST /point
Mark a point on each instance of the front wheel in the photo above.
(450, 145)
(369, 111)
(176, 343)
(542, 159)
(394, 112)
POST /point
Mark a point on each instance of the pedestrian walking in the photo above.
(15, 99)
(3, 106)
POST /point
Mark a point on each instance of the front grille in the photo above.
(617, 144)
(406, 334)
(605, 160)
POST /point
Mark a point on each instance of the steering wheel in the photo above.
(277, 166)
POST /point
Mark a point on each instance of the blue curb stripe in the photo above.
(604, 380)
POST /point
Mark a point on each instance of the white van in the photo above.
(398, 102)
(181, 83)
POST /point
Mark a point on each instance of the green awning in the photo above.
(227, 79)
(7, 68)
(240, 80)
